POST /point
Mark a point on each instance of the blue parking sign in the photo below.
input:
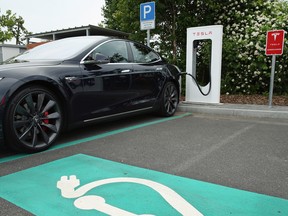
(147, 16)
(147, 11)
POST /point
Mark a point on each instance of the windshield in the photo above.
(57, 50)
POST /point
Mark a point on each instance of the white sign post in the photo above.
(147, 18)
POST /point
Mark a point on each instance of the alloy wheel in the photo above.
(170, 99)
(37, 120)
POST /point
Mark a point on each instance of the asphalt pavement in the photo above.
(231, 151)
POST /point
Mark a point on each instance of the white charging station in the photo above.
(215, 34)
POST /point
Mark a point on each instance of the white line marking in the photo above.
(188, 163)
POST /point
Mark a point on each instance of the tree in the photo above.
(12, 26)
(172, 20)
(124, 15)
(245, 68)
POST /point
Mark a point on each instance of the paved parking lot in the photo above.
(242, 154)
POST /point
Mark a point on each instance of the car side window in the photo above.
(116, 51)
(143, 54)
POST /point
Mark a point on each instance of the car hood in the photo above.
(12, 66)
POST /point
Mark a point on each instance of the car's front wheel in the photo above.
(33, 120)
(169, 100)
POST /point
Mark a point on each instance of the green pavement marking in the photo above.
(35, 191)
(99, 136)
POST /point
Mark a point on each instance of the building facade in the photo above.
(8, 50)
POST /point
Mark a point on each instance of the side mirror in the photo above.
(97, 58)
(101, 59)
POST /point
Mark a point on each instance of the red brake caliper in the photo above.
(46, 121)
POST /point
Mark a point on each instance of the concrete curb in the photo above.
(244, 110)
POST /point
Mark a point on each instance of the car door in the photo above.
(147, 77)
(106, 85)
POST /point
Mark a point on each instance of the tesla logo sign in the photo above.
(275, 42)
(204, 33)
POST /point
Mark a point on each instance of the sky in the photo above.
(50, 15)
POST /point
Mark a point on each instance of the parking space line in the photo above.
(95, 137)
(188, 163)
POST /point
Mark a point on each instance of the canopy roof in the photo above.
(77, 31)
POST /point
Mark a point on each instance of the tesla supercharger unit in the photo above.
(215, 34)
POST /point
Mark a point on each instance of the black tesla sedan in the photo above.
(80, 80)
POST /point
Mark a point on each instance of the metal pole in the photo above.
(148, 37)
(272, 80)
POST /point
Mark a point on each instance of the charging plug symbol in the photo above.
(68, 185)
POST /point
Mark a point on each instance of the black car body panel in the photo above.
(89, 90)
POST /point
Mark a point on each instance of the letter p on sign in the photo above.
(147, 11)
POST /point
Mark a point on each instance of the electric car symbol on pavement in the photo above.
(67, 186)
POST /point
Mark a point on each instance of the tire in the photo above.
(33, 120)
(169, 100)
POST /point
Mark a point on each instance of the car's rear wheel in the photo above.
(33, 120)
(169, 100)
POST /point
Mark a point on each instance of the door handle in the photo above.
(126, 71)
(159, 69)
(71, 78)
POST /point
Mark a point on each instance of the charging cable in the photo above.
(197, 84)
